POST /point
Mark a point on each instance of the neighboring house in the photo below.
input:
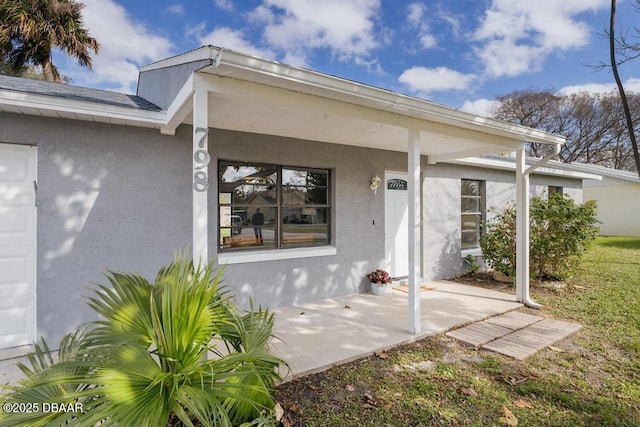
(618, 198)
(92, 180)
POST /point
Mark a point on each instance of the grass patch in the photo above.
(593, 381)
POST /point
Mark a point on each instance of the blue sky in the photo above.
(461, 53)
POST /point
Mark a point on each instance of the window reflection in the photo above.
(292, 204)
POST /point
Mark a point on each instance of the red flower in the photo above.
(379, 276)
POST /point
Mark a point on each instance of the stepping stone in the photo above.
(478, 334)
(525, 342)
(514, 320)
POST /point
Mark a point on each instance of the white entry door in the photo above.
(396, 223)
(17, 245)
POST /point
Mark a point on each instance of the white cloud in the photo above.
(176, 9)
(427, 80)
(414, 13)
(631, 85)
(416, 19)
(345, 28)
(233, 39)
(516, 36)
(196, 30)
(507, 58)
(124, 46)
(427, 41)
(224, 4)
(481, 107)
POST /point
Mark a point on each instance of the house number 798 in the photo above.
(201, 159)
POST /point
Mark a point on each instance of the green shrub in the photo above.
(560, 232)
(145, 362)
(472, 263)
(498, 242)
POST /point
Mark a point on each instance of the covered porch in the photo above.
(238, 92)
(316, 336)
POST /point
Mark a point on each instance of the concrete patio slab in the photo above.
(316, 336)
(313, 337)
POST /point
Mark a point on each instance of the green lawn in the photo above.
(590, 379)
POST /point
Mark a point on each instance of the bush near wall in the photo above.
(560, 232)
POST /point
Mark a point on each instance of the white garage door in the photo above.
(17, 245)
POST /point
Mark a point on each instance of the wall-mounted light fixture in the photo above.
(375, 183)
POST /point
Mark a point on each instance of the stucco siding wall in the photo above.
(162, 85)
(571, 187)
(442, 253)
(618, 207)
(359, 224)
(109, 197)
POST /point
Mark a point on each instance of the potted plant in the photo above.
(379, 280)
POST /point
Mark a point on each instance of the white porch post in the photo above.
(200, 175)
(415, 253)
(522, 229)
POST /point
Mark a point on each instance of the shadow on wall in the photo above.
(115, 204)
(450, 262)
(317, 281)
(66, 199)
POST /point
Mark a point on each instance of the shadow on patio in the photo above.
(316, 336)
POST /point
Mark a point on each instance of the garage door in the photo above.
(17, 245)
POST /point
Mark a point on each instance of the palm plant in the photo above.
(145, 362)
(30, 29)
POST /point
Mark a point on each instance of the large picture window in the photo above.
(472, 213)
(273, 207)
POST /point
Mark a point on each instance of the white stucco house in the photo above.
(92, 180)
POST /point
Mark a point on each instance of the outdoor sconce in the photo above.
(375, 183)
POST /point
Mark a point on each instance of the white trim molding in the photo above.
(275, 255)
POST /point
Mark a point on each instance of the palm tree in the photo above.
(145, 363)
(30, 29)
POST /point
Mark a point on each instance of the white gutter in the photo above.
(556, 168)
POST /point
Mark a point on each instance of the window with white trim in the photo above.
(554, 189)
(264, 206)
(472, 213)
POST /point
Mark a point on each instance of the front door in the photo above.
(17, 245)
(396, 220)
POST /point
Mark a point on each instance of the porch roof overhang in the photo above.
(253, 94)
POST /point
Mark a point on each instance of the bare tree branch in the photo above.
(623, 96)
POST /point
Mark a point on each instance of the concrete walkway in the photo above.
(316, 336)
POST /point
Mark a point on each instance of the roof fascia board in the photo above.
(50, 103)
(511, 166)
(199, 54)
(459, 155)
(179, 108)
(384, 99)
(604, 171)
